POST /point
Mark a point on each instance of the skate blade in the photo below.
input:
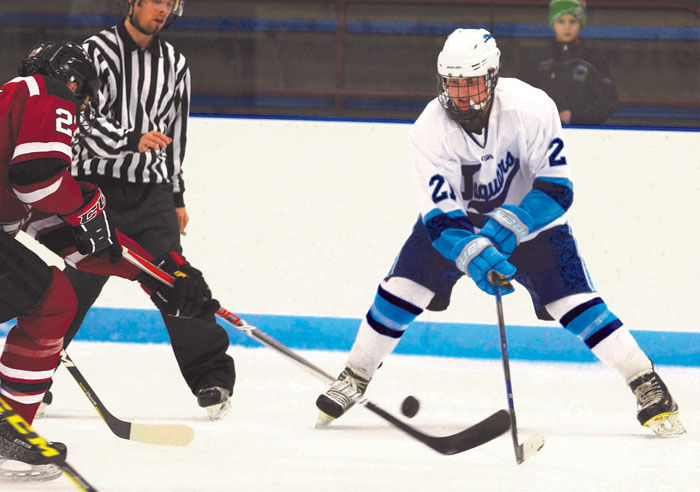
(666, 425)
(16, 471)
(215, 412)
(323, 420)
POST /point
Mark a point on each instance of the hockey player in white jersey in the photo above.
(493, 182)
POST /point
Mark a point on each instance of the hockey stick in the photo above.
(170, 434)
(24, 432)
(481, 432)
(535, 442)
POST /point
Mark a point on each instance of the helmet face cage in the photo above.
(476, 91)
(67, 62)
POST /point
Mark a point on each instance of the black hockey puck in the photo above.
(410, 406)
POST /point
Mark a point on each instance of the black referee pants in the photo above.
(146, 213)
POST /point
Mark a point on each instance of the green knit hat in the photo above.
(577, 8)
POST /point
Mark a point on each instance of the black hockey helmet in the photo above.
(178, 8)
(65, 61)
(68, 62)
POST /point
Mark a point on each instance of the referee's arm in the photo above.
(176, 152)
(107, 139)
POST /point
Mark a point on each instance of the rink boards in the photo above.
(295, 222)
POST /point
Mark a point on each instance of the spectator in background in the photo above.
(569, 72)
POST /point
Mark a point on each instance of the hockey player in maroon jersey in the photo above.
(40, 111)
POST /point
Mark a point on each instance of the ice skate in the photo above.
(21, 463)
(656, 408)
(343, 393)
(215, 400)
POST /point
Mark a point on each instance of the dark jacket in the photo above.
(575, 78)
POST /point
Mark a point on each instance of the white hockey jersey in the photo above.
(461, 177)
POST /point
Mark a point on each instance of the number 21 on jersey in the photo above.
(441, 188)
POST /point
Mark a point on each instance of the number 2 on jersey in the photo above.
(554, 159)
(64, 120)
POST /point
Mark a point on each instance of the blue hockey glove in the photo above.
(507, 227)
(478, 258)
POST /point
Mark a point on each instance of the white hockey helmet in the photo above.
(468, 53)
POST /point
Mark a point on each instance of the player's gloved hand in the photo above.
(507, 227)
(478, 258)
(189, 297)
(93, 232)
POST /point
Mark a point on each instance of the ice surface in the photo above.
(268, 441)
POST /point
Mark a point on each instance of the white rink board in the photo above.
(305, 218)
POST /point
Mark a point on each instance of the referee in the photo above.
(135, 153)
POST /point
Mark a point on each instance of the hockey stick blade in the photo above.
(529, 447)
(167, 434)
(484, 431)
(25, 433)
(471, 437)
(478, 434)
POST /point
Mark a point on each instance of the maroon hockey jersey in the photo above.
(37, 122)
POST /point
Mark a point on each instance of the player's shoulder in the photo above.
(516, 95)
(55, 87)
(42, 86)
(433, 116)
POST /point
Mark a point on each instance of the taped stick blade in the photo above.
(530, 446)
(170, 434)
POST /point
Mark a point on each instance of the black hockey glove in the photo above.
(93, 232)
(189, 297)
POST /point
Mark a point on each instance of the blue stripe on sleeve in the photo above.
(448, 232)
(548, 200)
(437, 222)
(561, 190)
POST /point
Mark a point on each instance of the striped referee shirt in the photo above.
(140, 91)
